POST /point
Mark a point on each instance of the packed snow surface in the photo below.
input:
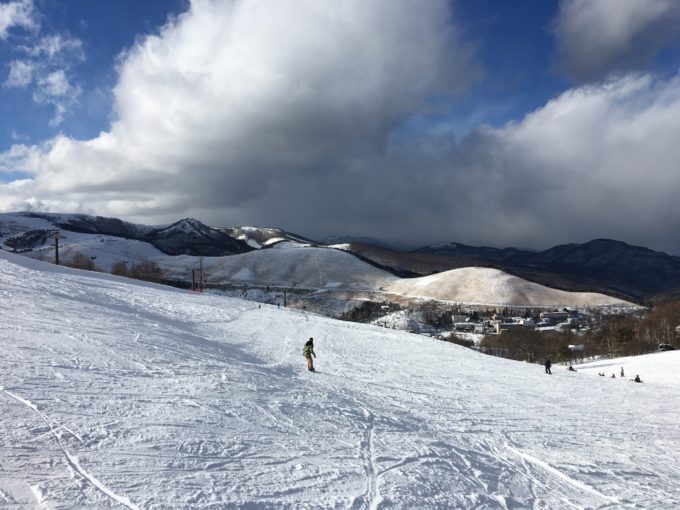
(119, 394)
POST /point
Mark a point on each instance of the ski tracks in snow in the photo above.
(71, 460)
(547, 468)
(371, 498)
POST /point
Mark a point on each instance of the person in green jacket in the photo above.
(308, 352)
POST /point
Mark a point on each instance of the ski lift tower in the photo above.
(55, 235)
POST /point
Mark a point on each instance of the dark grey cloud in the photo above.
(598, 161)
(598, 38)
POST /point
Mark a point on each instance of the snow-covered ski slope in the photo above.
(117, 394)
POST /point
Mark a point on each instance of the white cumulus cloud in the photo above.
(19, 13)
(46, 68)
(54, 84)
(234, 96)
(55, 89)
(20, 74)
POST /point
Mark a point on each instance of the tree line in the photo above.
(146, 270)
(620, 335)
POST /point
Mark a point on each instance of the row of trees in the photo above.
(144, 270)
(628, 336)
(531, 345)
(618, 336)
(368, 311)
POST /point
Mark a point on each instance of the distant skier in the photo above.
(308, 352)
(622, 372)
(548, 364)
(637, 378)
(613, 376)
(571, 369)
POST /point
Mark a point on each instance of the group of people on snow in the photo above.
(548, 364)
(613, 376)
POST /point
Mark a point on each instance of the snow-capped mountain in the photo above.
(26, 231)
(262, 237)
(606, 264)
(289, 262)
(122, 394)
(480, 285)
(191, 237)
(289, 265)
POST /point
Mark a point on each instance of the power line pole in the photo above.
(200, 272)
(193, 279)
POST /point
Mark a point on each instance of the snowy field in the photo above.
(117, 394)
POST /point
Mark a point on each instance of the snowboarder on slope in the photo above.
(622, 372)
(571, 369)
(548, 364)
(308, 352)
(637, 378)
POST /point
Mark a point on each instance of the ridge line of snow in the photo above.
(71, 459)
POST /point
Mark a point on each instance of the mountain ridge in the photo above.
(632, 273)
(635, 271)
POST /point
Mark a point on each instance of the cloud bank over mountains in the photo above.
(254, 112)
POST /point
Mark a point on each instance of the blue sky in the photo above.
(105, 29)
(526, 123)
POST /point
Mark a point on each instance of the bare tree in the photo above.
(80, 261)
